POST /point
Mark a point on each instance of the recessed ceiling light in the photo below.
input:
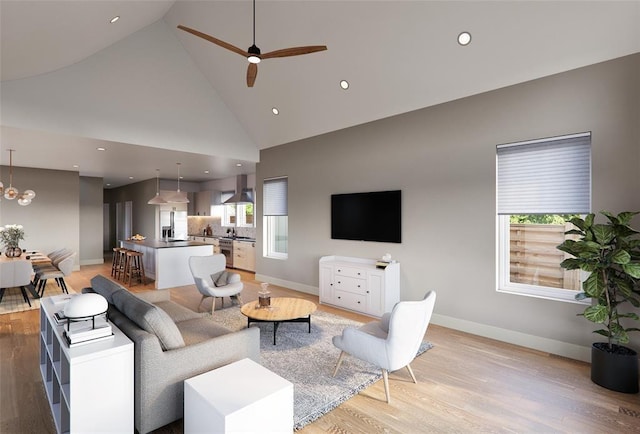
(131, 177)
(75, 166)
(114, 19)
(275, 111)
(101, 149)
(464, 38)
(206, 172)
(108, 185)
(344, 84)
(238, 165)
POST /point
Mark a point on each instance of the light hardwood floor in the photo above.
(465, 384)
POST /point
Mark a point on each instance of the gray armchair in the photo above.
(391, 343)
(212, 279)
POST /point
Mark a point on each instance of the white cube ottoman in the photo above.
(240, 397)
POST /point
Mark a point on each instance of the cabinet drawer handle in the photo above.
(339, 298)
(358, 286)
(367, 292)
(358, 302)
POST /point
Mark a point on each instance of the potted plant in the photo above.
(610, 252)
(10, 236)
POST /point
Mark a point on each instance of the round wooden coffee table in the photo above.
(282, 309)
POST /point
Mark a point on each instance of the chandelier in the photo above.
(11, 192)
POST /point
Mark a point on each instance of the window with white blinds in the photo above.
(547, 176)
(275, 197)
(275, 218)
(540, 184)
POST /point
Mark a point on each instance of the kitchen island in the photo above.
(167, 261)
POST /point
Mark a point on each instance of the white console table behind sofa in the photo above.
(89, 387)
(356, 284)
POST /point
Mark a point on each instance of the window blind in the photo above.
(275, 197)
(547, 176)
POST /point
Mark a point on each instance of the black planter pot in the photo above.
(617, 370)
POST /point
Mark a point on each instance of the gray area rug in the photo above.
(308, 360)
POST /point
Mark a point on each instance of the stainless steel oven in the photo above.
(226, 248)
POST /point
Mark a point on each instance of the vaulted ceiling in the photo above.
(153, 95)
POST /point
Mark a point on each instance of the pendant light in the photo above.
(157, 199)
(11, 192)
(178, 196)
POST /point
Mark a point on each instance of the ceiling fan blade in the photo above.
(252, 72)
(295, 51)
(214, 40)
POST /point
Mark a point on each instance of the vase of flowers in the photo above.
(10, 236)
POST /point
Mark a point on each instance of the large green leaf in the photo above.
(632, 269)
(604, 233)
(602, 332)
(588, 220)
(594, 285)
(620, 257)
(624, 218)
(596, 313)
(572, 264)
(631, 315)
(578, 222)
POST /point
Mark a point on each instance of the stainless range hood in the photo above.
(243, 194)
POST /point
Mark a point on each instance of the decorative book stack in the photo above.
(91, 330)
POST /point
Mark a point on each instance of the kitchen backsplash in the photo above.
(197, 226)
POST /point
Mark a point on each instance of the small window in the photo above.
(275, 218)
(540, 184)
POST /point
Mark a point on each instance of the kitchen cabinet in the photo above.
(244, 255)
(204, 200)
(357, 284)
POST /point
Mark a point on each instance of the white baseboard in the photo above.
(307, 289)
(551, 346)
(92, 261)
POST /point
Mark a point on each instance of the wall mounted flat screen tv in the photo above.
(373, 216)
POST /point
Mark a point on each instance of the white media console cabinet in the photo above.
(357, 284)
(89, 387)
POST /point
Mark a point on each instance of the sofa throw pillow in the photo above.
(149, 318)
(220, 278)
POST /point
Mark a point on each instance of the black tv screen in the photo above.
(373, 216)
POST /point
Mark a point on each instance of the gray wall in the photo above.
(143, 214)
(91, 221)
(443, 160)
(52, 221)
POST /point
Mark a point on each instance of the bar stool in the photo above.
(134, 268)
(121, 267)
(115, 261)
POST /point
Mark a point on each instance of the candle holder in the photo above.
(264, 296)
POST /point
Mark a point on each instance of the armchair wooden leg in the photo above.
(335, 371)
(385, 379)
(201, 300)
(213, 305)
(413, 377)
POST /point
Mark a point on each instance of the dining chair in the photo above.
(15, 274)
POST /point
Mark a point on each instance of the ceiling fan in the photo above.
(253, 54)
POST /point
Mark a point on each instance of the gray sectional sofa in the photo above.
(171, 344)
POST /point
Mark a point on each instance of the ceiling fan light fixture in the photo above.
(254, 54)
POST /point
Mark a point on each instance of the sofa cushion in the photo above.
(200, 330)
(177, 312)
(105, 287)
(150, 318)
